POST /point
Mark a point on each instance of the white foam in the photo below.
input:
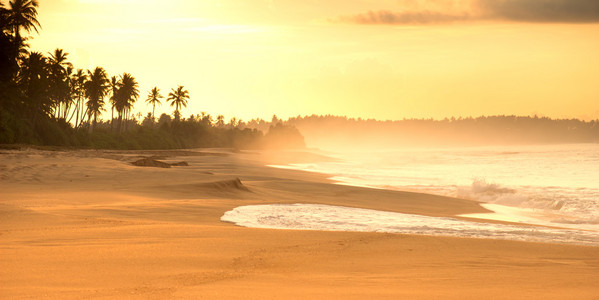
(339, 218)
(555, 184)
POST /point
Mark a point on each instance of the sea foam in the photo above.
(553, 185)
(339, 218)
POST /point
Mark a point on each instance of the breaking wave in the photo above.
(556, 184)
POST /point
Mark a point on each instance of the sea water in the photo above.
(550, 185)
(339, 218)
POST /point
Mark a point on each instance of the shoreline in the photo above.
(525, 205)
(88, 224)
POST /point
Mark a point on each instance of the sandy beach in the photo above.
(89, 224)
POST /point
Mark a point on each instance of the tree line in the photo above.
(45, 100)
(342, 131)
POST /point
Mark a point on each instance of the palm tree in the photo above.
(58, 61)
(69, 92)
(220, 121)
(78, 86)
(59, 72)
(127, 94)
(95, 90)
(8, 53)
(114, 87)
(234, 122)
(33, 78)
(206, 119)
(23, 14)
(178, 98)
(153, 98)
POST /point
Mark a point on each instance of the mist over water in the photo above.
(555, 185)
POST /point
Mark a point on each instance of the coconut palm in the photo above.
(33, 78)
(153, 98)
(178, 99)
(127, 94)
(95, 90)
(9, 54)
(220, 121)
(23, 15)
(78, 86)
(59, 75)
(69, 92)
(58, 61)
(114, 87)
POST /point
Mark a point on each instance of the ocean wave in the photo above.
(562, 205)
(588, 221)
(555, 182)
(483, 191)
(339, 218)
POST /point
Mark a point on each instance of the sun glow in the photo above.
(246, 59)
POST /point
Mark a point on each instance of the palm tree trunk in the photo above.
(82, 112)
(85, 113)
(126, 118)
(72, 115)
(76, 112)
(111, 117)
(120, 116)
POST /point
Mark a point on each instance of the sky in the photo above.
(388, 59)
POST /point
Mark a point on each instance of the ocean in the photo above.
(550, 185)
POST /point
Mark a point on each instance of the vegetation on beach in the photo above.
(485, 130)
(44, 100)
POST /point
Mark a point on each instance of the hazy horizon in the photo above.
(388, 60)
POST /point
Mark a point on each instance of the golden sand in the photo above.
(88, 224)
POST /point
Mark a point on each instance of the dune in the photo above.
(154, 162)
(88, 224)
(149, 162)
(226, 185)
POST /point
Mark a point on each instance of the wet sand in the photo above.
(89, 224)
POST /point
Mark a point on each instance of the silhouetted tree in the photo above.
(38, 94)
(206, 119)
(154, 98)
(233, 122)
(95, 90)
(78, 79)
(33, 79)
(178, 98)
(114, 88)
(220, 121)
(8, 52)
(60, 90)
(127, 94)
(22, 14)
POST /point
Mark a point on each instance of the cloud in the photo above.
(557, 11)
(390, 17)
(561, 11)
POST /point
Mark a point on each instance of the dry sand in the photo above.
(89, 224)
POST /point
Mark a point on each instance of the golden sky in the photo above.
(373, 59)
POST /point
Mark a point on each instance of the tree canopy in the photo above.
(44, 100)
